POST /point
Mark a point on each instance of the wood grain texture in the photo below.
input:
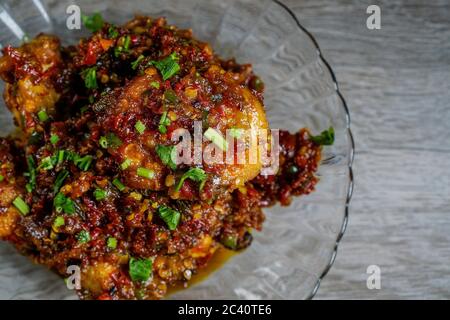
(397, 84)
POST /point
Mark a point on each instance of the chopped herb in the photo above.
(60, 180)
(125, 164)
(230, 241)
(155, 84)
(2, 178)
(112, 32)
(216, 138)
(170, 96)
(43, 116)
(60, 156)
(168, 66)
(47, 163)
(103, 142)
(118, 184)
(195, 174)
(111, 243)
(31, 174)
(136, 62)
(21, 205)
(91, 99)
(145, 173)
(83, 162)
(113, 141)
(325, 138)
(94, 22)
(100, 194)
(63, 204)
(167, 154)
(54, 139)
(90, 77)
(126, 43)
(171, 217)
(163, 123)
(58, 222)
(83, 237)
(140, 127)
(140, 269)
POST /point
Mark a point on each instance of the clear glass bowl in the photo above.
(298, 245)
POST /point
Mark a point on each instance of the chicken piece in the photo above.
(29, 72)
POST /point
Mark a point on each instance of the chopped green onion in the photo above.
(1, 178)
(100, 194)
(140, 127)
(155, 84)
(83, 162)
(168, 66)
(83, 236)
(140, 269)
(136, 62)
(43, 116)
(94, 22)
(195, 174)
(63, 204)
(163, 123)
(54, 139)
(325, 138)
(146, 173)
(167, 154)
(125, 164)
(118, 184)
(126, 43)
(31, 174)
(21, 205)
(90, 77)
(47, 163)
(111, 243)
(112, 32)
(171, 217)
(59, 222)
(216, 138)
(230, 241)
(60, 180)
(170, 96)
(113, 141)
(103, 142)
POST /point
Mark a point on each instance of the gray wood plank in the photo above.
(396, 82)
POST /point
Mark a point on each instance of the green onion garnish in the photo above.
(2, 178)
(167, 154)
(94, 22)
(31, 174)
(171, 217)
(125, 164)
(103, 142)
(42, 115)
(46, 163)
(145, 173)
(136, 62)
(118, 184)
(100, 194)
(90, 78)
(163, 123)
(140, 127)
(21, 205)
(83, 236)
(54, 139)
(83, 162)
(140, 269)
(194, 174)
(168, 66)
(60, 180)
(155, 84)
(325, 138)
(63, 204)
(111, 243)
(59, 221)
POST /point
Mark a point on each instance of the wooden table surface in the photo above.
(396, 81)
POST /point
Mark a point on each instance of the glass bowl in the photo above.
(298, 244)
